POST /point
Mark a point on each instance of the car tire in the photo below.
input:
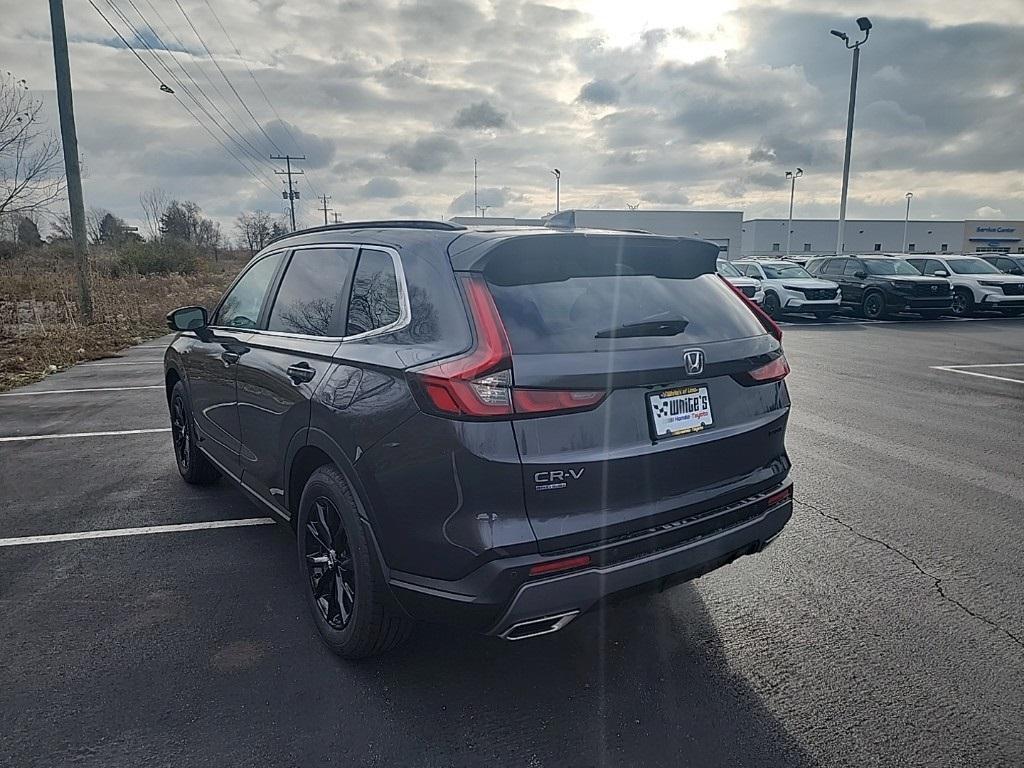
(344, 587)
(963, 302)
(873, 306)
(772, 306)
(193, 465)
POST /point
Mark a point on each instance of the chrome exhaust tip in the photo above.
(536, 627)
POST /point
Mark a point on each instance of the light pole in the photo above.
(865, 26)
(906, 222)
(792, 176)
(558, 189)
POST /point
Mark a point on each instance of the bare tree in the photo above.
(154, 202)
(255, 229)
(31, 177)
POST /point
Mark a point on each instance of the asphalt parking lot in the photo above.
(885, 627)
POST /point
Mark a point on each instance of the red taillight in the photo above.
(777, 498)
(557, 566)
(478, 384)
(776, 370)
(765, 319)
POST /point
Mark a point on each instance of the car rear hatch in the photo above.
(641, 388)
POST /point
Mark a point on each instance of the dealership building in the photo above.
(766, 237)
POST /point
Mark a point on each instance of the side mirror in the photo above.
(940, 273)
(187, 319)
(860, 274)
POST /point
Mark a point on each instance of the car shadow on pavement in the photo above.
(644, 682)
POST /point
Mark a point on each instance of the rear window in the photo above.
(621, 301)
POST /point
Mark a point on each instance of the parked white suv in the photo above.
(750, 287)
(977, 285)
(789, 288)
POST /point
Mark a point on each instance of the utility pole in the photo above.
(906, 222)
(292, 194)
(69, 140)
(325, 198)
(335, 215)
(558, 189)
(475, 201)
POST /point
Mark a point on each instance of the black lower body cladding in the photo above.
(502, 595)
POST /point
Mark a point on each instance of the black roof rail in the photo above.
(443, 226)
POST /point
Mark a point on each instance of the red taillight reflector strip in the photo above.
(548, 400)
(776, 370)
(777, 498)
(557, 566)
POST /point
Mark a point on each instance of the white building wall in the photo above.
(722, 227)
(768, 236)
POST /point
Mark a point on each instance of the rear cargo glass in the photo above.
(593, 299)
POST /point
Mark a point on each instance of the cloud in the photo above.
(380, 186)
(426, 154)
(492, 197)
(988, 212)
(481, 115)
(406, 210)
(601, 92)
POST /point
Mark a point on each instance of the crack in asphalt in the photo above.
(922, 571)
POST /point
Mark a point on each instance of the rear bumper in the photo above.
(500, 596)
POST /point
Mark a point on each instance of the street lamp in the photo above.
(865, 26)
(792, 176)
(906, 221)
(558, 189)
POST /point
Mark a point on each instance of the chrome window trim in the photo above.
(404, 305)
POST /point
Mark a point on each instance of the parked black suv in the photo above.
(878, 286)
(490, 428)
(1010, 263)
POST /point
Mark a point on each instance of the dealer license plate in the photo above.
(679, 411)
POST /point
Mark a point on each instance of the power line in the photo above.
(224, 75)
(258, 152)
(253, 155)
(166, 89)
(259, 87)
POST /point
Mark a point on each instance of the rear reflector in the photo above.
(776, 370)
(777, 498)
(557, 566)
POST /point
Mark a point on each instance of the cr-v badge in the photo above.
(693, 362)
(555, 478)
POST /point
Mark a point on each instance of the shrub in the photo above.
(157, 258)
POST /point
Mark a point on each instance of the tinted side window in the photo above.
(751, 270)
(374, 302)
(307, 301)
(931, 266)
(241, 307)
(852, 267)
(834, 267)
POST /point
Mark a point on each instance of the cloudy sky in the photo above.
(679, 104)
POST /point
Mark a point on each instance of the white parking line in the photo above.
(20, 438)
(134, 362)
(143, 531)
(73, 391)
(963, 369)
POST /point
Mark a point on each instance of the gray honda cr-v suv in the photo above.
(491, 428)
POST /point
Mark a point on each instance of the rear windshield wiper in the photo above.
(666, 327)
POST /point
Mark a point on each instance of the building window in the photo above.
(911, 248)
(807, 247)
(776, 246)
(944, 247)
(878, 246)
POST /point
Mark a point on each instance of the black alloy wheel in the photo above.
(963, 302)
(193, 466)
(329, 563)
(874, 306)
(772, 305)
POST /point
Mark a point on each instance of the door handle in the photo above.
(300, 373)
(229, 357)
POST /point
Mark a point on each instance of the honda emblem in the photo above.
(693, 362)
